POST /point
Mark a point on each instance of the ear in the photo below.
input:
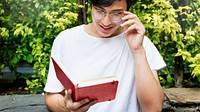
(92, 6)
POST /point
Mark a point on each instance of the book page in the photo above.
(96, 81)
(65, 71)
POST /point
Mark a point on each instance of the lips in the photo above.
(105, 29)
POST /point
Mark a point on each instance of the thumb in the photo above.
(68, 95)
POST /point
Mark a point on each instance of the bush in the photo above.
(175, 32)
(27, 33)
(28, 28)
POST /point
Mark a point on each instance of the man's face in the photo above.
(106, 20)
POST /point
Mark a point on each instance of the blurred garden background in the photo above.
(28, 28)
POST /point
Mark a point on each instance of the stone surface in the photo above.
(183, 95)
(186, 109)
(177, 100)
(182, 100)
(23, 103)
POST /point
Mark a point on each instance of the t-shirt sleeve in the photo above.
(53, 84)
(154, 58)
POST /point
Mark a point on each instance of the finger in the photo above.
(68, 94)
(131, 29)
(136, 29)
(87, 106)
(125, 27)
(128, 23)
(68, 100)
(78, 104)
(129, 15)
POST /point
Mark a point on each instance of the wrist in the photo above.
(139, 52)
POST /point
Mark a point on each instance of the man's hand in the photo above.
(134, 30)
(71, 106)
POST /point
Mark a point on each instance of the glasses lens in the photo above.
(116, 16)
(98, 14)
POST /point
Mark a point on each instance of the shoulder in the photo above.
(65, 39)
(154, 58)
(68, 33)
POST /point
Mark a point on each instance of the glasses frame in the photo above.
(104, 14)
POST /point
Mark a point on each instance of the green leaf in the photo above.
(169, 78)
(37, 5)
(25, 50)
(30, 58)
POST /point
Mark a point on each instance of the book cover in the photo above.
(101, 89)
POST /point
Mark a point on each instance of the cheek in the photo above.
(95, 23)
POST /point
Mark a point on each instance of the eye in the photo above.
(100, 11)
(117, 13)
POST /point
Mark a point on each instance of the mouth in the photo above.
(106, 29)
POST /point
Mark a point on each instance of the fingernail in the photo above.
(95, 101)
(87, 100)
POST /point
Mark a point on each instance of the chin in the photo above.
(105, 35)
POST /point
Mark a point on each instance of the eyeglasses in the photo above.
(115, 16)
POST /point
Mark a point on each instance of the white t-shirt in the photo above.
(88, 57)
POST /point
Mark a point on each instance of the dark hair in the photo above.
(105, 3)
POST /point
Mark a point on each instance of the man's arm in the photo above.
(149, 91)
(57, 102)
(53, 102)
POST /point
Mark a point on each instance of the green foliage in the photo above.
(4, 34)
(175, 32)
(28, 28)
(166, 82)
(190, 17)
(88, 13)
(27, 33)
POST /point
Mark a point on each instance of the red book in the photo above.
(101, 89)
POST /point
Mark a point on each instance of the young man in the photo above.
(113, 44)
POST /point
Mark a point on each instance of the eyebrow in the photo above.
(115, 10)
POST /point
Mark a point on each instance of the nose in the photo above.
(106, 20)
